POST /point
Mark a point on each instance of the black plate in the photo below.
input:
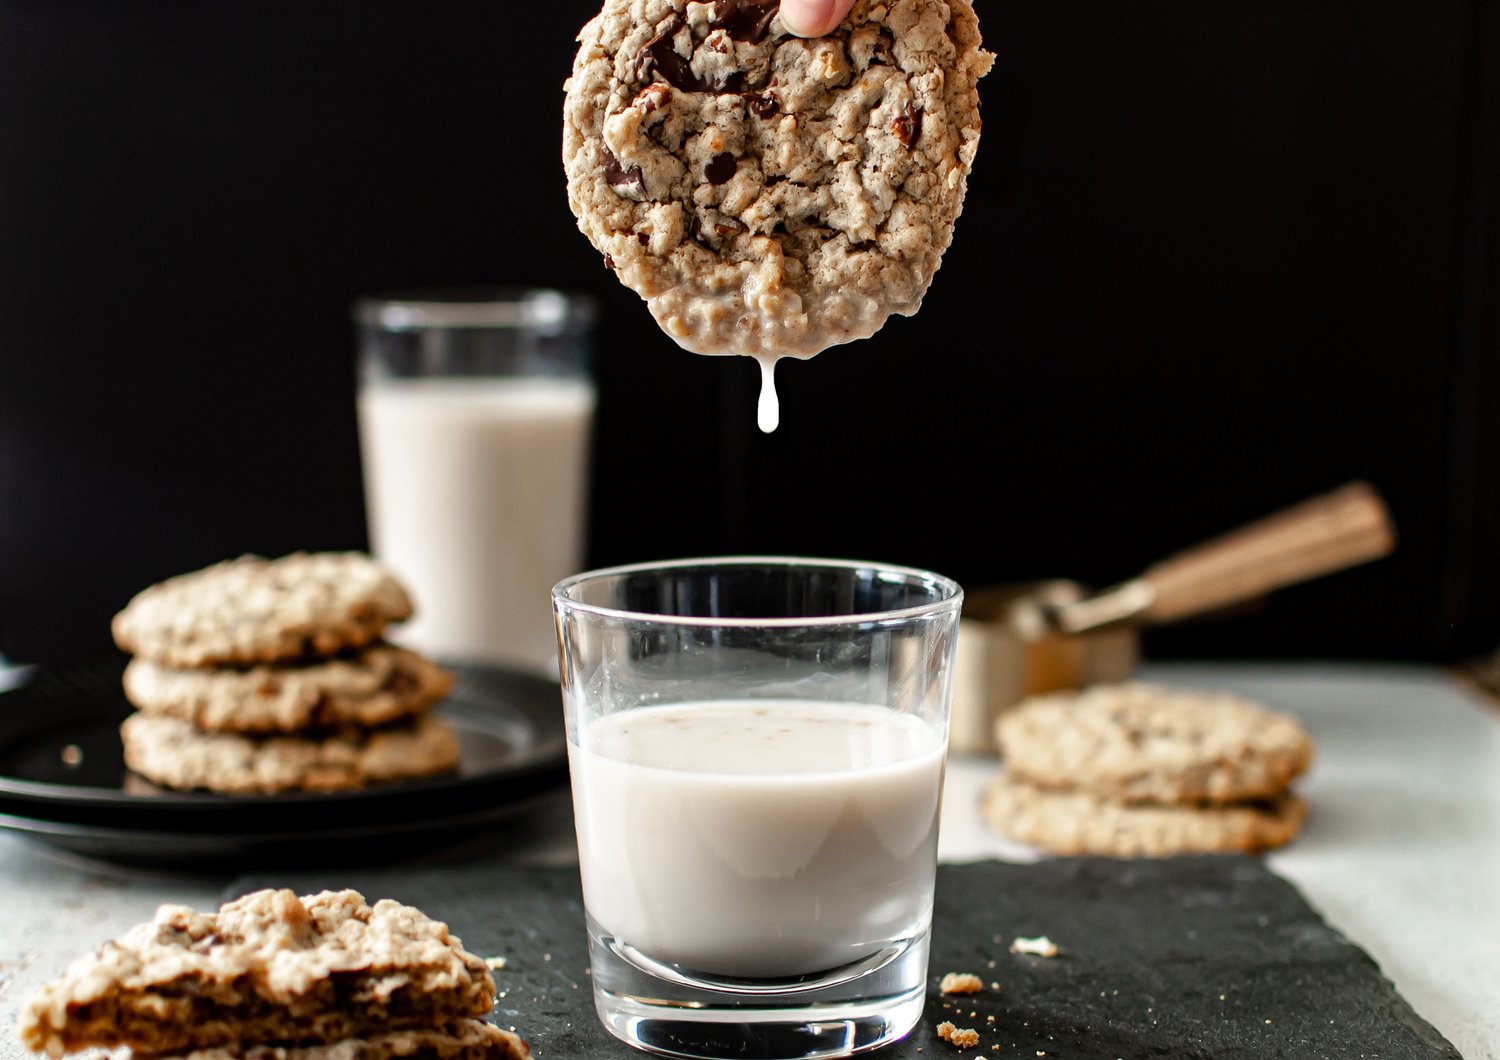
(354, 842)
(61, 762)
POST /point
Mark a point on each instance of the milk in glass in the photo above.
(476, 491)
(758, 838)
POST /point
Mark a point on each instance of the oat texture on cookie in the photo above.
(1142, 770)
(766, 194)
(258, 676)
(268, 968)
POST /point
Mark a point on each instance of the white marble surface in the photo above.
(1402, 852)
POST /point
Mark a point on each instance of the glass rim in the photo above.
(951, 600)
(545, 309)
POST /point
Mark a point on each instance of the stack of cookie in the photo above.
(259, 676)
(1135, 770)
(276, 977)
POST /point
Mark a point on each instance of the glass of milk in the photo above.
(475, 411)
(757, 750)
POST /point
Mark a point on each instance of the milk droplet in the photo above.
(768, 414)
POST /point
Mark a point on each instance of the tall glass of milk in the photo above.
(757, 749)
(475, 410)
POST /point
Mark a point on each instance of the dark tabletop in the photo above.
(1184, 958)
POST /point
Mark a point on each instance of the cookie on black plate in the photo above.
(373, 687)
(254, 610)
(173, 754)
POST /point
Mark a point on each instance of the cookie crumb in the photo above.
(494, 964)
(958, 1037)
(961, 983)
(1041, 946)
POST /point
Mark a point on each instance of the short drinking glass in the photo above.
(757, 750)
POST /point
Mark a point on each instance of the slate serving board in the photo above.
(1183, 958)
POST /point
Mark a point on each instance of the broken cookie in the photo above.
(266, 969)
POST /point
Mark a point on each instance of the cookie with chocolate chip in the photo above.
(768, 194)
(376, 686)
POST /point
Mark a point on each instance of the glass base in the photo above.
(666, 1009)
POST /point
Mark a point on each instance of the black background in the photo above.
(1216, 257)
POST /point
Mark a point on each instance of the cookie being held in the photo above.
(768, 194)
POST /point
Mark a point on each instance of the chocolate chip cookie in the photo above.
(373, 687)
(173, 754)
(268, 968)
(1137, 742)
(254, 610)
(766, 194)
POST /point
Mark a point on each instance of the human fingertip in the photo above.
(808, 18)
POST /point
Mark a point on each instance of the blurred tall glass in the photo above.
(475, 414)
(757, 749)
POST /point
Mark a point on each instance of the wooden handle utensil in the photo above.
(1326, 534)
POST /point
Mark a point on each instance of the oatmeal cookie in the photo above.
(253, 610)
(1142, 743)
(270, 967)
(467, 1040)
(172, 753)
(379, 685)
(1077, 822)
(766, 194)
